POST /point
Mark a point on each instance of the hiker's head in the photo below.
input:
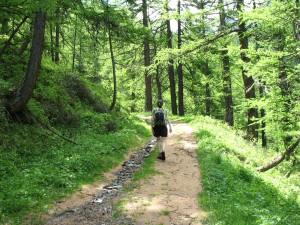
(160, 103)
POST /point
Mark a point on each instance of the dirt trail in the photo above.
(168, 198)
(171, 196)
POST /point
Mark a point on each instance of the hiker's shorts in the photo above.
(160, 131)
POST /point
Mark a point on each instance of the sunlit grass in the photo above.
(37, 167)
(234, 193)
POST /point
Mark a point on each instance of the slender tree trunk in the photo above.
(261, 93)
(33, 66)
(52, 43)
(74, 45)
(112, 106)
(80, 60)
(148, 77)
(227, 90)
(57, 33)
(171, 72)
(285, 92)
(296, 24)
(158, 83)
(206, 72)
(180, 70)
(207, 91)
(263, 123)
(157, 77)
(252, 129)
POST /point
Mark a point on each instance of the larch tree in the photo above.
(249, 87)
(171, 71)
(227, 84)
(147, 60)
(33, 66)
(180, 66)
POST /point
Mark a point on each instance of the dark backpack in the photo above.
(159, 117)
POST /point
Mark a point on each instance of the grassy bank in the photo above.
(37, 167)
(233, 192)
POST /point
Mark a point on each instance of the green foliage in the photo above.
(37, 167)
(233, 192)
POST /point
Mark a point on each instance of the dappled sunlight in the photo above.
(171, 196)
(163, 209)
(144, 204)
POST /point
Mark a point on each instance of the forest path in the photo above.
(169, 197)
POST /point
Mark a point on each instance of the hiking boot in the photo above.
(162, 156)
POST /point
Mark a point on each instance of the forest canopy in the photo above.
(236, 61)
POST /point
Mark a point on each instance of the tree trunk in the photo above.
(57, 33)
(296, 25)
(180, 70)
(74, 45)
(157, 77)
(206, 71)
(263, 123)
(252, 129)
(148, 77)
(158, 83)
(33, 66)
(114, 71)
(52, 43)
(171, 72)
(285, 90)
(207, 99)
(227, 90)
(279, 158)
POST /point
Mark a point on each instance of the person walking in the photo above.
(159, 122)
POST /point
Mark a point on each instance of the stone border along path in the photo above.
(167, 198)
(99, 209)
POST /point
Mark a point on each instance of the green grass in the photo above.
(233, 192)
(37, 167)
(165, 213)
(147, 169)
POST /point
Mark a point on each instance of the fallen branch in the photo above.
(279, 158)
(56, 133)
(60, 135)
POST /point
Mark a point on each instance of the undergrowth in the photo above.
(37, 167)
(233, 191)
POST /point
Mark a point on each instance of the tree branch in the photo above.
(7, 43)
(279, 158)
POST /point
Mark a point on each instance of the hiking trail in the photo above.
(169, 197)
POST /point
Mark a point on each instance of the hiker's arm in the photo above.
(170, 126)
(152, 123)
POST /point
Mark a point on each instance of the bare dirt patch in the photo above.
(170, 197)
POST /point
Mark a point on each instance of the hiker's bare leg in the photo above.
(161, 148)
(163, 144)
(159, 144)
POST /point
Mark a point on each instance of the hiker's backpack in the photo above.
(159, 117)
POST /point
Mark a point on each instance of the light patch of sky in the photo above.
(232, 4)
(214, 15)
